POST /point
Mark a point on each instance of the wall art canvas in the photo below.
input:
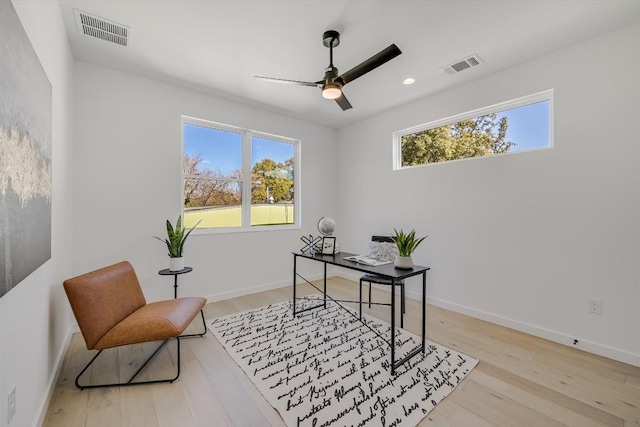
(25, 154)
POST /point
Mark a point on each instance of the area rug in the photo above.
(326, 368)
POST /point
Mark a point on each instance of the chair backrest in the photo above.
(383, 248)
(103, 298)
(387, 239)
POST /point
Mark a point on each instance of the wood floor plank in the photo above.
(68, 407)
(136, 403)
(170, 400)
(103, 404)
(521, 380)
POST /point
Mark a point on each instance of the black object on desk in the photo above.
(175, 274)
(387, 271)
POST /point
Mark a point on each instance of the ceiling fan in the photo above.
(332, 83)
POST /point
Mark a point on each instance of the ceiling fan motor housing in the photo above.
(330, 74)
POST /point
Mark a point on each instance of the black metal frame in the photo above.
(130, 382)
(379, 281)
(167, 272)
(201, 334)
(387, 272)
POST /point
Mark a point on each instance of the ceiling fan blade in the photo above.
(343, 102)
(291, 82)
(370, 64)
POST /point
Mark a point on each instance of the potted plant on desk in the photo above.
(407, 243)
(176, 237)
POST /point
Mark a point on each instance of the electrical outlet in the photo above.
(11, 404)
(595, 306)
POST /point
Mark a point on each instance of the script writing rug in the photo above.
(325, 368)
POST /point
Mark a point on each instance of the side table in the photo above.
(175, 274)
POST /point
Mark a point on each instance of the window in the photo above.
(237, 179)
(517, 125)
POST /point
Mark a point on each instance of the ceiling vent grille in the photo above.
(101, 28)
(462, 64)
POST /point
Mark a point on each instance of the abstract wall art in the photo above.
(25, 154)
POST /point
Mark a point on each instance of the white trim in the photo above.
(555, 336)
(260, 288)
(245, 222)
(546, 95)
(43, 408)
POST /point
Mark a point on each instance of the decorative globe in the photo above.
(326, 226)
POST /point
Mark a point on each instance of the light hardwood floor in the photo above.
(521, 380)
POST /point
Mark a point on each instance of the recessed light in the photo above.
(409, 81)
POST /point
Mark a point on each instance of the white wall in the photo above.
(128, 165)
(34, 317)
(521, 239)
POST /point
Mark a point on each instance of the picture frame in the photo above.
(328, 246)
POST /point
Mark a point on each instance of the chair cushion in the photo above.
(155, 321)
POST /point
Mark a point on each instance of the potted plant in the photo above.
(406, 243)
(176, 236)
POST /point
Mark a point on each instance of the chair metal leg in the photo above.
(204, 330)
(130, 382)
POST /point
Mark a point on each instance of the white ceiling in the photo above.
(218, 47)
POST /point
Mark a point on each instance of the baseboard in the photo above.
(256, 289)
(53, 378)
(555, 336)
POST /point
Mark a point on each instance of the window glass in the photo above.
(518, 125)
(272, 190)
(216, 158)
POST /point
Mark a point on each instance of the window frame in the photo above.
(546, 95)
(247, 136)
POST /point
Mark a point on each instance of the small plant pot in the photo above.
(403, 262)
(176, 264)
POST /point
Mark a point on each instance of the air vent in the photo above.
(101, 28)
(462, 64)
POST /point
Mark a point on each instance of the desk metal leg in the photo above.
(325, 285)
(401, 304)
(393, 327)
(360, 299)
(424, 308)
(295, 258)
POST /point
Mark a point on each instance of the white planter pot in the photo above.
(176, 264)
(404, 262)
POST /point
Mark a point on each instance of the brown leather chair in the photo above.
(111, 311)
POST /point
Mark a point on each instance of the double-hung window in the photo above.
(236, 179)
(517, 125)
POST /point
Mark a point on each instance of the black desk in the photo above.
(387, 271)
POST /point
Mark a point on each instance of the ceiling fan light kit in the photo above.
(331, 91)
(332, 83)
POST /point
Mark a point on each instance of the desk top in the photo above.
(388, 270)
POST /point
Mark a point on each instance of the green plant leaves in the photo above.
(406, 242)
(176, 237)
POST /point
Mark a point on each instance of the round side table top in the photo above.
(167, 272)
